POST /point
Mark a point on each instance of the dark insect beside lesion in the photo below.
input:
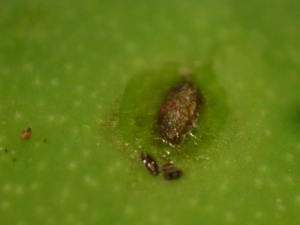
(177, 117)
(169, 170)
(179, 113)
(150, 164)
(173, 175)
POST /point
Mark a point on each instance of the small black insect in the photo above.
(173, 174)
(179, 112)
(170, 172)
(167, 167)
(150, 164)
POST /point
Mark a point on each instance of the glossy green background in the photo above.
(64, 64)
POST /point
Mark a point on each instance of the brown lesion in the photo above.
(179, 113)
(26, 134)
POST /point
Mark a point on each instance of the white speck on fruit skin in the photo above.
(138, 63)
(289, 180)
(183, 39)
(41, 166)
(224, 32)
(209, 208)
(37, 82)
(258, 183)
(77, 103)
(6, 187)
(114, 167)
(65, 150)
(270, 94)
(51, 118)
(279, 205)
(90, 181)
(86, 153)
(18, 116)
(154, 219)
(83, 207)
(71, 218)
(289, 157)
(131, 47)
(41, 102)
(75, 131)
(34, 186)
(40, 210)
(69, 67)
(273, 185)
(72, 166)
(94, 95)
(258, 215)
(28, 67)
(62, 119)
(223, 187)
(128, 210)
(54, 82)
(80, 89)
(263, 169)
(268, 132)
(193, 202)
(86, 126)
(263, 114)
(19, 190)
(99, 107)
(229, 217)
(37, 146)
(65, 194)
(241, 85)
(116, 188)
(5, 205)
(21, 223)
(259, 83)
(112, 68)
(49, 221)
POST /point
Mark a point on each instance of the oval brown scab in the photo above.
(179, 112)
(26, 134)
(173, 175)
(150, 164)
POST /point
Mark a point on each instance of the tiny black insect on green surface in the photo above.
(179, 112)
(170, 172)
(167, 167)
(150, 164)
(173, 174)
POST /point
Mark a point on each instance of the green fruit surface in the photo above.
(79, 72)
